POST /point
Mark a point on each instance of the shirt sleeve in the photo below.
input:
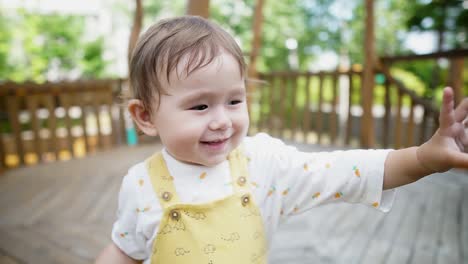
(301, 180)
(125, 232)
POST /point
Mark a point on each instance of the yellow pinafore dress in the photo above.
(226, 231)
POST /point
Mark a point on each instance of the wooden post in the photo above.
(456, 78)
(367, 125)
(136, 28)
(256, 44)
(198, 8)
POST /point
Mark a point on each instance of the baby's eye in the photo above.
(234, 102)
(199, 107)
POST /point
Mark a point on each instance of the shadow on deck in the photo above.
(63, 213)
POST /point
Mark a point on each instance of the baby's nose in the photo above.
(220, 120)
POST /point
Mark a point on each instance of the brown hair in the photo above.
(160, 49)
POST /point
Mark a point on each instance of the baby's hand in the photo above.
(448, 147)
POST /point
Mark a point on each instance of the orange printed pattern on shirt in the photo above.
(356, 171)
(203, 176)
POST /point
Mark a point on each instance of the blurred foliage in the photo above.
(5, 37)
(55, 43)
(447, 17)
(48, 46)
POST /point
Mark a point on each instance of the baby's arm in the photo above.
(445, 150)
(113, 255)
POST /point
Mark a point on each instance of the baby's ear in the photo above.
(142, 117)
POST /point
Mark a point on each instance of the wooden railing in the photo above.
(404, 129)
(57, 121)
(326, 119)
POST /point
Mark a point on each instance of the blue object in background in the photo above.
(132, 137)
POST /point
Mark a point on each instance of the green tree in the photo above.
(48, 43)
(448, 18)
(5, 44)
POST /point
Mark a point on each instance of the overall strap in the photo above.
(238, 165)
(162, 181)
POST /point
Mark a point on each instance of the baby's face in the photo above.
(205, 116)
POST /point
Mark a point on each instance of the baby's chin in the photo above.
(204, 162)
(213, 162)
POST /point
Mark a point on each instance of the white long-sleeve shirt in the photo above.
(283, 180)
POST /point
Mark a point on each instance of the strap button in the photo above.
(175, 215)
(166, 196)
(241, 181)
(245, 200)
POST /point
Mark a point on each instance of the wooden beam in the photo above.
(429, 56)
(367, 124)
(198, 8)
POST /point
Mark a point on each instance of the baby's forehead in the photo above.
(189, 64)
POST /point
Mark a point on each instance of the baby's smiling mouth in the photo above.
(214, 142)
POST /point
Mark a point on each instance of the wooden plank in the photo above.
(422, 127)
(319, 109)
(464, 225)
(449, 248)
(95, 186)
(79, 242)
(398, 122)
(294, 107)
(273, 106)
(306, 117)
(2, 144)
(426, 245)
(13, 117)
(410, 126)
(121, 117)
(30, 247)
(360, 235)
(407, 232)
(59, 201)
(333, 113)
(283, 94)
(31, 103)
(65, 102)
(387, 115)
(261, 102)
(8, 260)
(52, 123)
(82, 104)
(96, 106)
(349, 122)
(106, 200)
(381, 242)
(109, 102)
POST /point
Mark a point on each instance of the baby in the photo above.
(213, 194)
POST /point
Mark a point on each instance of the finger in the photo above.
(463, 136)
(461, 111)
(447, 114)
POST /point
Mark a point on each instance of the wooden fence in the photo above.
(58, 121)
(332, 114)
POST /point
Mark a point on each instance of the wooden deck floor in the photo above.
(62, 213)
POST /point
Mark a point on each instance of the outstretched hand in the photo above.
(448, 147)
